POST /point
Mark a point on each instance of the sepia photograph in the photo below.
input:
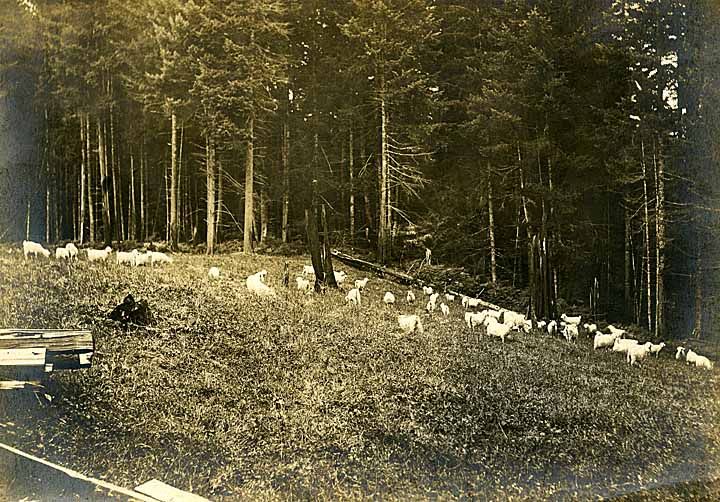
(335, 250)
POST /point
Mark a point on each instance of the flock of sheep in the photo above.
(133, 258)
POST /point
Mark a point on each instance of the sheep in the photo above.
(157, 257)
(340, 277)
(410, 298)
(353, 296)
(622, 344)
(62, 254)
(214, 273)
(541, 325)
(308, 270)
(430, 307)
(98, 254)
(637, 352)
(495, 328)
(703, 362)
(444, 309)
(303, 284)
(33, 248)
(656, 348)
(570, 331)
(72, 249)
(527, 326)
(434, 297)
(680, 352)
(601, 341)
(615, 330)
(513, 319)
(552, 328)
(410, 324)
(464, 301)
(571, 320)
(590, 328)
(361, 283)
(123, 257)
(256, 284)
(427, 290)
(450, 298)
(690, 356)
(473, 303)
(473, 319)
(142, 259)
(389, 298)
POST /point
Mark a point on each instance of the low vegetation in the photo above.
(234, 396)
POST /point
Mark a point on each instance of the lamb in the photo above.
(656, 348)
(361, 283)
(552, 328)
(622, 344)
(410, 324)
(33, 248)
(389, 298)
(495, 328)
(308, 270)
(601, 341)
(590, 328)
(571, 320)
(703, 362)
(637, 352)
(427, 290)
(340, 277)
(410, 298)
(157, 257)
(303, 284)
(72, 249)
(353, 296)
(123, 257)
(256, 284)
(680, 352)
(98, 254)
(570, 331)
(449, 297)
(62, 254)
(444, 309)
(214, 273)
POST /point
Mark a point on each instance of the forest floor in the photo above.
(232, 396)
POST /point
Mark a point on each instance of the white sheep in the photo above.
(601, 341)
(62, 254)
(410, 298)
(308, 270)
(72, 249)
(590, 328)
(444, 309)
(157, 257)
(637, 352)
(389, 298)
(571, 320)
(33, 248)
(690, 356)
(570, 331)
(449, 297)
(430, 307)
(513, 319)
(361, 283)
(410, 324)
(303, 284)
(552, 328)
(353, 296)
(340, 277)
(98, 254)
(142, 259)
(703, 362)
(615, 330)
(214, 273)
(495, 328)
(527, 326)
(427, 290)
(434, 297)
(680, 352)
(623, 344)
(256, 284)
(124, 257)
(656, 348)
(541, 325)
(473, 319)
(473, 303)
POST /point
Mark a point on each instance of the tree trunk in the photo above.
(90, 181)
(628, 264)
(351, 173)
(104, 185)
(116, 181)
(27, 221)
(263, 214)
(48, 180)
(173, 182)
(286, 175)
(697, 331)
(83, 168)
(143, 225)
(491, 230)
(659, 162)
(327, 257)
(369, 220)
(646, 203)
(210, 173)
(132, 207)
(314, 245)
(249, 175)
(383, 252)
(220, 199)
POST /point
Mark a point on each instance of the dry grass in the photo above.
(298, 397)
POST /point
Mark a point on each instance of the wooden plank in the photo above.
(22, 357)
(54, 340)
(166, 493)
(19, 384)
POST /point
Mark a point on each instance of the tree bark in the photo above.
(327, 256)
(210, 176)
(90, 181)
(116, 181)
(83, 169)
(104, 185)
(659, 162)
(220, 199)
(646, 203)
(132, 207)
(351, 173)
(249, 175)
(143, 225)
(173, 182)
(491, 230)
(628, 264)
(697, 331)
(286, 174)
(314, 245)
(383, 251)
(263, 214)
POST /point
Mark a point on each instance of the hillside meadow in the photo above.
(232, 396)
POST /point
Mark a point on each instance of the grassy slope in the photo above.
(230, 395)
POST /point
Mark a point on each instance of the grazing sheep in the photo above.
(495, 314)
(444, 309)
(680, 352)
(434, 297)
(214, 273)
(410, 298)
(541, 325)
(256, 284)
(430, 307)
(389, 298)
(473, 319)
(495, 328)
(552, 328)
(353, 296)
(410, 324)
(340, 277)
(303, 284)
(513, 319)
(62, 254)
(622, 344)
(637, 352)
(361, 283)
(157, 257)
(98, 254)
(656, 348)
(72, 249)
(142, 259)
(601, 341)
(690, 356)
(427, 290)
(570, 331)
(703, 362)
(308, 270)
(33, 248)
(590, 329)
(615, 330)
(123, 257)
(449, 297)
(571, 320)
(473, 303)
(527, 326)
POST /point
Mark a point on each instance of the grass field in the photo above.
(304, 397)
